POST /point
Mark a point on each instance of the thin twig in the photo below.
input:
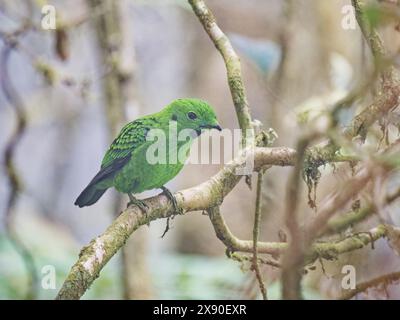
(384, 280)
(370, 34)
(256, 230)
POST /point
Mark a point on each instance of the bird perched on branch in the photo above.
(150, 151)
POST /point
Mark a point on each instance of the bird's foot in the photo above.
(177, 209)
(171, 197)
(141, 204)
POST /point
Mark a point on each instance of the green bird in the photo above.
(127, 165)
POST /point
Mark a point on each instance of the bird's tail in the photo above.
(89, 195)
(100, 183)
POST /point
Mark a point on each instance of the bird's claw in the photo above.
(139, 203)
(171, 197)
(177, 209)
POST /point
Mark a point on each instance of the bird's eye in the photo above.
(191, 115)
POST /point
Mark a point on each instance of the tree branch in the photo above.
(386, 101)
(338, 224)
(385, 280)
(209, 194)
(329, 250)
(232, 63)
(206, 196)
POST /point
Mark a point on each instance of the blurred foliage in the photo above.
(381, 14)
(264, 54)
(52, 246)
(275, 290)
(374, 15)
(196, 277)
(175, 276)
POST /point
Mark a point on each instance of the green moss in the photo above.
(311, 174)
(315, 158)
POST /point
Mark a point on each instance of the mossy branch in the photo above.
(338, 224)
(206, 196)
(385, 101)
(232, 63)
(211, 193)
(329, 250)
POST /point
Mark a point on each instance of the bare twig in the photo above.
(384, 280)
(256, 230)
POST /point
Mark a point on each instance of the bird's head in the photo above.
(193, 114)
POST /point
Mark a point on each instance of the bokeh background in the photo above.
(296, 57)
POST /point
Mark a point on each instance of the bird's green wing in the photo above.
(131, 136)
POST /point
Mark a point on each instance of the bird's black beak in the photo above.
(218, 127)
